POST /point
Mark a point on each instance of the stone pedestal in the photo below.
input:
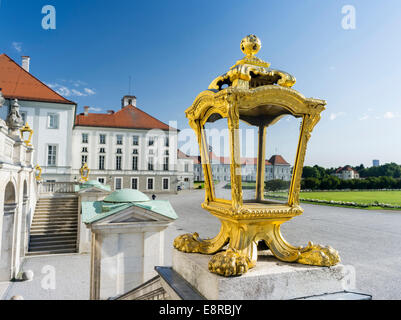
(271, 279)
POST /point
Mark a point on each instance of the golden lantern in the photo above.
(38, 173)
(259, 96)
(85, 173)
(26, 134)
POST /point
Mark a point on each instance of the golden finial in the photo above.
(250, 45)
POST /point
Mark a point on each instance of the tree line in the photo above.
(387, 176)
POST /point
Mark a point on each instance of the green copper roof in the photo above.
(93, 211)
(91, 184)
(126, 195)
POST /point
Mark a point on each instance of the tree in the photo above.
(277, 184)
(310, 183)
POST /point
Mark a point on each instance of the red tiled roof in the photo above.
(129, 117)
(277, 159)
(182, 155)
(346, 168)
(16, 83)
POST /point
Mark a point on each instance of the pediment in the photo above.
(133, 215)
(93, 190)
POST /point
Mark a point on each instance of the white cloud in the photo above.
(95, 109)
(66, 92)
(17, 46)
(389, 115)
(364, 117)
(89, 92)
(334, 116)
(77, 93)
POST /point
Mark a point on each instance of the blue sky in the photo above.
(174, 49)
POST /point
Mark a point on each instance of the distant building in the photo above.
(126, 149)
(185, 170)
(276, 168)
(376, 163)
(346, 173)
(50, 115)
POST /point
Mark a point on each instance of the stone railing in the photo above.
(57, 187)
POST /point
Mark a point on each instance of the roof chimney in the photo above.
(86, 111)
(110, 111)
(26, 63)
(128, 100)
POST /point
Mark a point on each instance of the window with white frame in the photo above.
(118, 183)
(52, 120)
(118, 162)
(85, 138)
(119, 139)
(84, 159)
(134, 183)
(135, 140)
(186, 167)
(166, 184)
(151, 141)
(134, 163)
(150, 184)
(23, 116)
(102, 150)
(102, 139)
(165, 163)
(135, 151)
(166, 141)
(101, 162)
(51, 155)
(85, 149)
(119, 151)
(101, 180)
(150, 164)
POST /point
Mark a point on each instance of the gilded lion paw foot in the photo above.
(317, 255)
(188, 243)
(229, 263)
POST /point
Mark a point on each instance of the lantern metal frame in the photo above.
(27, 128)
(38, 176)
(84, 173)
(260, 97)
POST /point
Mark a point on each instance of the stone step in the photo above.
(55, 218)
(41, 229)
(47, 252)
(35, 244)
(50, 246)
(53, 237)
(51, 225)
(53, 208)
(57, 203)
(47, 233)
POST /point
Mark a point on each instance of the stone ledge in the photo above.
(271, 279)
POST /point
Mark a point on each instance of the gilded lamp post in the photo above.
(259, 96)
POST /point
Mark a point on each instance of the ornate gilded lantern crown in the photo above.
(252, 72)
(256, 94)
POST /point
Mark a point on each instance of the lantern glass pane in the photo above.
(281, 148)
(217, 147)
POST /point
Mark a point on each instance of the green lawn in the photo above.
(202, 184)
(359, 197)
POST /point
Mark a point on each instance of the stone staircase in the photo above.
(54, 227)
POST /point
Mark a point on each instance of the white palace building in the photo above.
(127, 148)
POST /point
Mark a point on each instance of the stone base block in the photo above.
(271, 279)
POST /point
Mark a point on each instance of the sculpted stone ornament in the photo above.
(14, 120)
(258, 96)
(2, 100)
